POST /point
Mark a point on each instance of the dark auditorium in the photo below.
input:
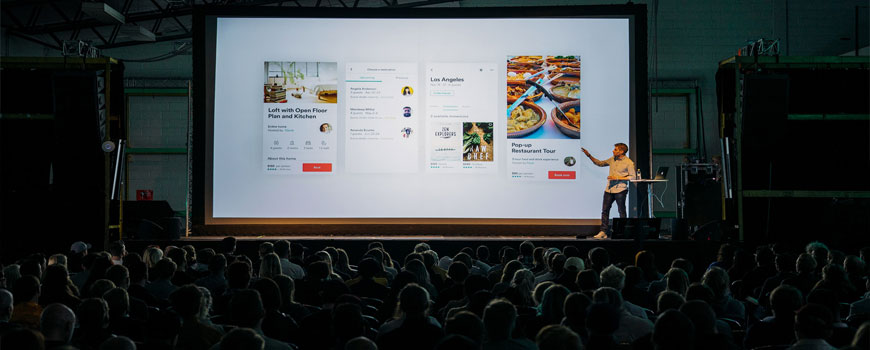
(575, 175)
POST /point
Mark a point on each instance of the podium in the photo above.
(649, 194)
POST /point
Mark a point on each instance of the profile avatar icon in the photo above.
(406, 132)
(406, 112)
(570, 161)
(325, 128)
(407, 91)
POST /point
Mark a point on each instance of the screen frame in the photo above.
(204, 24)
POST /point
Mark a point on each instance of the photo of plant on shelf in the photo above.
(311, 82)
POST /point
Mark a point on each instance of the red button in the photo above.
(317, 167)
(562, 175)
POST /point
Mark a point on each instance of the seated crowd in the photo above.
(528, 297)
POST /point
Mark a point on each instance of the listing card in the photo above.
(543, 117)
(461, 112)
(299, 117)
(382, 127)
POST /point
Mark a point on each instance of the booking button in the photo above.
(316, 167)
(562, 175)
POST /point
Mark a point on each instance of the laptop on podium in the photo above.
(662, 173)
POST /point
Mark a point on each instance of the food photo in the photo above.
(543, 97)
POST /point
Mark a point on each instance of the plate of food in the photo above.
(569, 75)
(564, 92)
(515, 90)
(534, 60)
(520, 75)
(572, 112)
(563, 61)
(525, 119)
(522, 65)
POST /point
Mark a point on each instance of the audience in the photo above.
(533, 298)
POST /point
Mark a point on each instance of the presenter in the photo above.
(621, 170)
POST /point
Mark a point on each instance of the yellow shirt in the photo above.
(27, 314)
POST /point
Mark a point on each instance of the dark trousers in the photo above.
(609, 198)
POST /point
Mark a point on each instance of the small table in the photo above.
(649, 194)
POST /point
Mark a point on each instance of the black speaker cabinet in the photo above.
(636, 228)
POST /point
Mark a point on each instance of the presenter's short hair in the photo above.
(623, 147)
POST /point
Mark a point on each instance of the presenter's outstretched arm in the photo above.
(596, 161)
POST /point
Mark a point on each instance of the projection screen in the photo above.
(412, 116)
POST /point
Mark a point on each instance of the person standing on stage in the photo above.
(621, 170)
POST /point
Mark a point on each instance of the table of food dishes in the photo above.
(549, 87)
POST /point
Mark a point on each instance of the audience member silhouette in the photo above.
(93, 320)
(414, 326)
(499, 320)
(57, 324)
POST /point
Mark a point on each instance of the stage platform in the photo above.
(699, 252)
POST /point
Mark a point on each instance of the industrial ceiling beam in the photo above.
(180, 14)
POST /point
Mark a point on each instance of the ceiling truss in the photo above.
(52, 22)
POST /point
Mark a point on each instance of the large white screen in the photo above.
(310, 118)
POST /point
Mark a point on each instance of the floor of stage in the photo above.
(390, 238)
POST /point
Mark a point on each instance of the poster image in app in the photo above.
(445, 144)
(477, 142)
(552, 109)
(306, 82)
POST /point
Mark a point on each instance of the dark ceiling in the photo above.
(52, 22)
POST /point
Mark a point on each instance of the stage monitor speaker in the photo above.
(165, 228)
(173, 227)
(679, 229)
(636, 228)
(151, 210)
(148, 229)
(711, 231)
(149, 219)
